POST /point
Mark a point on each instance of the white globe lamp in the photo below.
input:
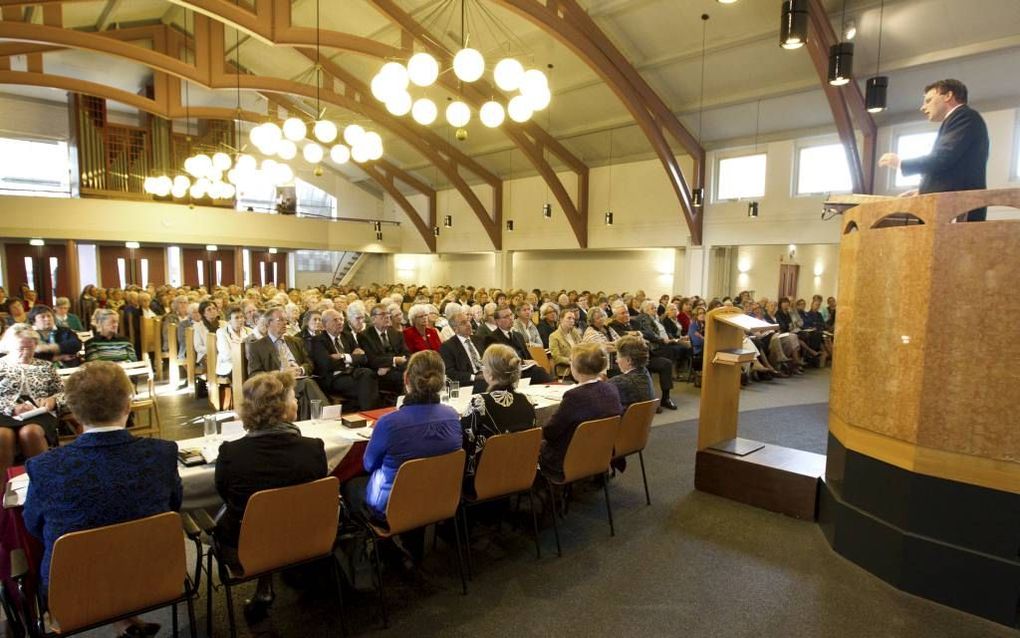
(468, 65)
(399, 104)
(458, 114)
(508, 74)
(491, 114)
(294, 129)
(422, 69)
(519, 109)
(340, 154)
(424, 111)
(325, 131)
(353, 134)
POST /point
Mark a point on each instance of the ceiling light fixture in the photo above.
(752, 207)
(841, 58)
(877, 86)
(609, 198)
(793, 30)
(132, 245)
(448, 221)
(698, 194)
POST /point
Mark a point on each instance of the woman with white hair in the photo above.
(420, 335)
(451, 309)
(26, 385)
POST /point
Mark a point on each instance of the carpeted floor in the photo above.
(691, 564)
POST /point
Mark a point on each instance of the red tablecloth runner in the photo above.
(13, 535)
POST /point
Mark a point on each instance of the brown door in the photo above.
(788, 274)
(209, 269)
(43, 268)
(267, 268)
(120, 266)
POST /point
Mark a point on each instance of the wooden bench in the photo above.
(151, 340)
(189, 358)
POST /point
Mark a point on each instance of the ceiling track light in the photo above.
(510, 225)
(448, 221)
(841, 58)
(435, 231)
(877, 86)
(752, 210)
(698, 197)
(378, 236)
(609, 218)
(547, 211)
(793, 30)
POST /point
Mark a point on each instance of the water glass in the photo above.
(454, 389)
(316, 409)
(210, 426)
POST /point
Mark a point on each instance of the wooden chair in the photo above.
(151, 339)
(238, 372)
(281, 528)
(212, 380)
(425, 491)
(635, 427)
(189, 359)
(541, 358)
(173, 361)
(507, 467)
(91, 586)
(588, 455)
(141, 371)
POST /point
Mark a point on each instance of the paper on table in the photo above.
(17, 490)
(30, 414)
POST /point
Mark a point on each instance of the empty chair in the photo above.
(635, 427)
(589, 454)
(142, 371)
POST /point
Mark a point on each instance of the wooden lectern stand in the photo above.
(764, 475)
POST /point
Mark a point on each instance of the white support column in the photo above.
(695, 270)
(503, 266)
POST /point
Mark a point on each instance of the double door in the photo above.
(42, 268)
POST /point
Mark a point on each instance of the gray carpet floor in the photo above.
(691, 564)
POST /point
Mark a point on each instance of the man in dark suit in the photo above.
(624, 324)
(958, 158)
(341, 367)
(385, 348)
(505, 335)
(277, 351)
(461, 356)
(106, 475)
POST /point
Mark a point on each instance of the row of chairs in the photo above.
(291, 526)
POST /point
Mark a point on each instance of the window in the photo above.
(262, 273)
(54, 266)
(30, 272)
(174, 256)
(910, 146)
(313, 201)
(741, 177)
(246, 267)
(823, 169)
(34, 167)
(314, 260)
(145, 272)
(200, 266)
(122, 272)
(219, 272)
(1016, 149)
(258, 196)
(276, 273)
(88, 271)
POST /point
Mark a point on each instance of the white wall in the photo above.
(756, 268)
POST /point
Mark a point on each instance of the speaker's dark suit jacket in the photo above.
(958, 159)
(458, 361)
(325, 365)
(380, 356)
(516, 341)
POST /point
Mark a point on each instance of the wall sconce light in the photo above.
(131, 244)
(698, 197)
(752, 209)
(435, 231)
(272, 251)
(448, 221)
(609, 218)
(378, 235)
(510, 225)
(377, 227)
(547, 211)
(819, 270)
(211, 248)
(36, 242)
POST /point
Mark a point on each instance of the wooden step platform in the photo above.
(772, 477)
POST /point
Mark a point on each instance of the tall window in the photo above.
(34, 167)
(314, 201)
(741, 177)
(260, 197)
(314, 260)
(122, 272)
(173, 255)
(54, 267)
(30, 272)
(823, 169)
(145, 272)
(200, 266)
(246, 267)
(88, 271)
(262, 273)
(911, 146)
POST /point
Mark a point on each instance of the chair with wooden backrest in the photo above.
(91, 586)
(142, 371)
(189, 359)
(212, 381)
(151, 339)
(173, 361)
(425, 491)
(238, 372)
(281, 528)
(541, 358)
(67, 419)
(507, 467)
(635, 427)
(589, 454)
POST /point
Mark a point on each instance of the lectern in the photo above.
(774, 477)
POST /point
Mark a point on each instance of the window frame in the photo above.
(734, 153)
(60, 194)
(802, 145)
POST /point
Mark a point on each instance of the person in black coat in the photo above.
(505, 335)
(387, 353)
(340, 367)
(624, 324)
(272, 454)
(461, 355)
(55, 343)
(959, 156)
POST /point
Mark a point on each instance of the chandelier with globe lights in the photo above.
(402, 87)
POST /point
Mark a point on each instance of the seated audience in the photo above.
(590, 399)
(671, 322)
(634, 383)
(504, 335)
(105, 476)
(387, 353)
(697, 332)
(486, 320)
(311, 325)
(271, 454)
(497, 410)
(208, 325)
(548, 323)
(449, 311)
(26, 384)
(279, 352)
(106, 344)
(460, 355)
(659, 342)
(63, 316)
(420, 335)
(56, 344)
(525, 326)
(340, 366)
(623, 324)
(234, 332)
(562, 341)
(15, 309)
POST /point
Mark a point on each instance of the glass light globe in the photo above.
(149, 184)
(245, 163)
(519, 109)
(340, 154)
(538, 98)
(164, 184)
(399, 104)
(360, 154)
(396, 76)
(214, 190)
(382, 90)
(272, 145)
(422, 69)
(458, 114)
(267, 165)
(353, 134)
(178, 193)
(532, 80)
(234, 176)
(228, 191)
(221, 161)
(373, 144)
(491, 114)
(294, 129)
(312, 153)
(214, 176)
(424, 111)
(182, 182)
(286, 150)
(282, 174)
(203, 164)
(508, 74)
(325, 131)
(272, 131)
(196, 191)
(257, 134)
(468, 64)
(376, 151)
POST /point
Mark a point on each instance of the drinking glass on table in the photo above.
(316, 409)
(210, 427)
(454, 389)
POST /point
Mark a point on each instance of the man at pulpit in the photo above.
(959, 156)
